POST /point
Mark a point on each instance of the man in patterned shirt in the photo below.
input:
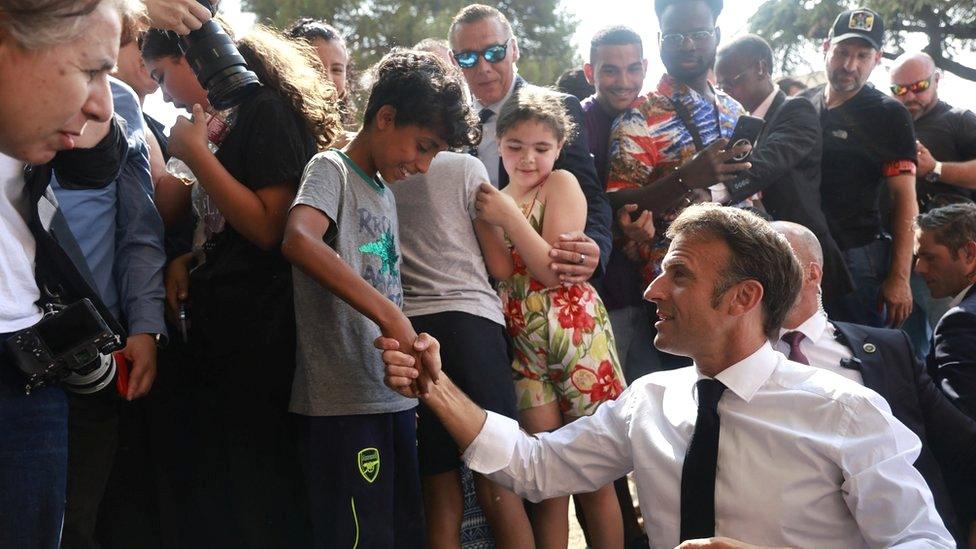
(652, 144)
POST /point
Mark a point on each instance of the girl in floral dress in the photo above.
(566, 362)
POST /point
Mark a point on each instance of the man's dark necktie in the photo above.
(698, 471)
(793, 339)
(484, 115)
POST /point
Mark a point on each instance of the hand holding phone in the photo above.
(746, 132)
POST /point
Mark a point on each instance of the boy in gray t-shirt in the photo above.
(338, 372)
(359, 439)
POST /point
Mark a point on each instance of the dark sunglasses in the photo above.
(917, 87)
(492, 54)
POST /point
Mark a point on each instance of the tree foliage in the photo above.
(372, 27)
(792, 26)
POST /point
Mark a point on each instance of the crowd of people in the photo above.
(333, 323)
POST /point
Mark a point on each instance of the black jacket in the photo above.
(577, 160)
(952, 358)
(786, 168)
(58, 258)
(948, 436)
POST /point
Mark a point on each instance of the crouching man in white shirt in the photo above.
(745, 444)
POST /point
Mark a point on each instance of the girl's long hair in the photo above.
(292, 70)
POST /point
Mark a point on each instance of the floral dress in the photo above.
(564, 347)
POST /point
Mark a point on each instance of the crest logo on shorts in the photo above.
(861, 20)
(368, 460)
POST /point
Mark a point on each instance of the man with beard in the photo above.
(946, 135)
(683, 123)
(868, 144)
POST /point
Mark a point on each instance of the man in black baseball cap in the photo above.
(868, 146)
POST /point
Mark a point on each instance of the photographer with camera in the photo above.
(235, 288)
(55, 56)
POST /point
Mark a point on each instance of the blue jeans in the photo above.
(869, 266)
(33, 461)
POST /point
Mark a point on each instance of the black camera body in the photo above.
(219, 67)
(67, 345)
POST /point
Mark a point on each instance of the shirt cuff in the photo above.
(720, 193)
(492, 449)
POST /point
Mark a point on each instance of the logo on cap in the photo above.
(861, 20)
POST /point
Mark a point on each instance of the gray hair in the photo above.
(39, 24)
(757, 252)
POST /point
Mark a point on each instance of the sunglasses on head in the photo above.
(492, 54)
(916, 87)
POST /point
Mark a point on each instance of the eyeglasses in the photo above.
(734, 81)
(492, 54)
(916, 87)
(677, 39)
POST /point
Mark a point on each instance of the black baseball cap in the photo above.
(858, 23)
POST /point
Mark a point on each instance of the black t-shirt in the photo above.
(950, 135)
(241, 295)
(866, 139)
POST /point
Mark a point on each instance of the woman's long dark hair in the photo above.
(289, 68)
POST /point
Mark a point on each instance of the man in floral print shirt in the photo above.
(682, 117)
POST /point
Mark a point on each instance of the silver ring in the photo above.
(582, 259)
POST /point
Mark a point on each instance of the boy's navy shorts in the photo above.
(361, 475)
(474, 354)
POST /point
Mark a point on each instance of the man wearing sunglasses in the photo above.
(946, 135)
(485, 49)
(868, 148)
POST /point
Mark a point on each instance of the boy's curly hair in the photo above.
(541, 105)
(425, 92)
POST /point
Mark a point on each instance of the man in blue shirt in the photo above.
(120, 234)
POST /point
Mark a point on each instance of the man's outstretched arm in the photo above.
(580, 457)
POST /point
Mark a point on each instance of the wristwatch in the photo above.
(935, 174)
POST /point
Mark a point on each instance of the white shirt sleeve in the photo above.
(890, 501)
(580, 457)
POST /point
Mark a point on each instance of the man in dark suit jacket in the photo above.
(883, 360)
(945, 244)
(485, 49)
(786, 159)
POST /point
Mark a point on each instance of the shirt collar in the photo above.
(962, 295)
(764, 106)
(495, 107)
(812, 328)
(744, 378)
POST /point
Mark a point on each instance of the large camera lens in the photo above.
(218, 65)
(94, 377)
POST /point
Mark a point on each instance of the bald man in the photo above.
(883, 360)
(946, 135)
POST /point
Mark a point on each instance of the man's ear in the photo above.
(968, 253)
(588, 73)
(718, 36)
(515, 50)
(746, 296)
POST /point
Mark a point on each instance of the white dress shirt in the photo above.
(488, 148)
(805, 458)
(821, 347)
